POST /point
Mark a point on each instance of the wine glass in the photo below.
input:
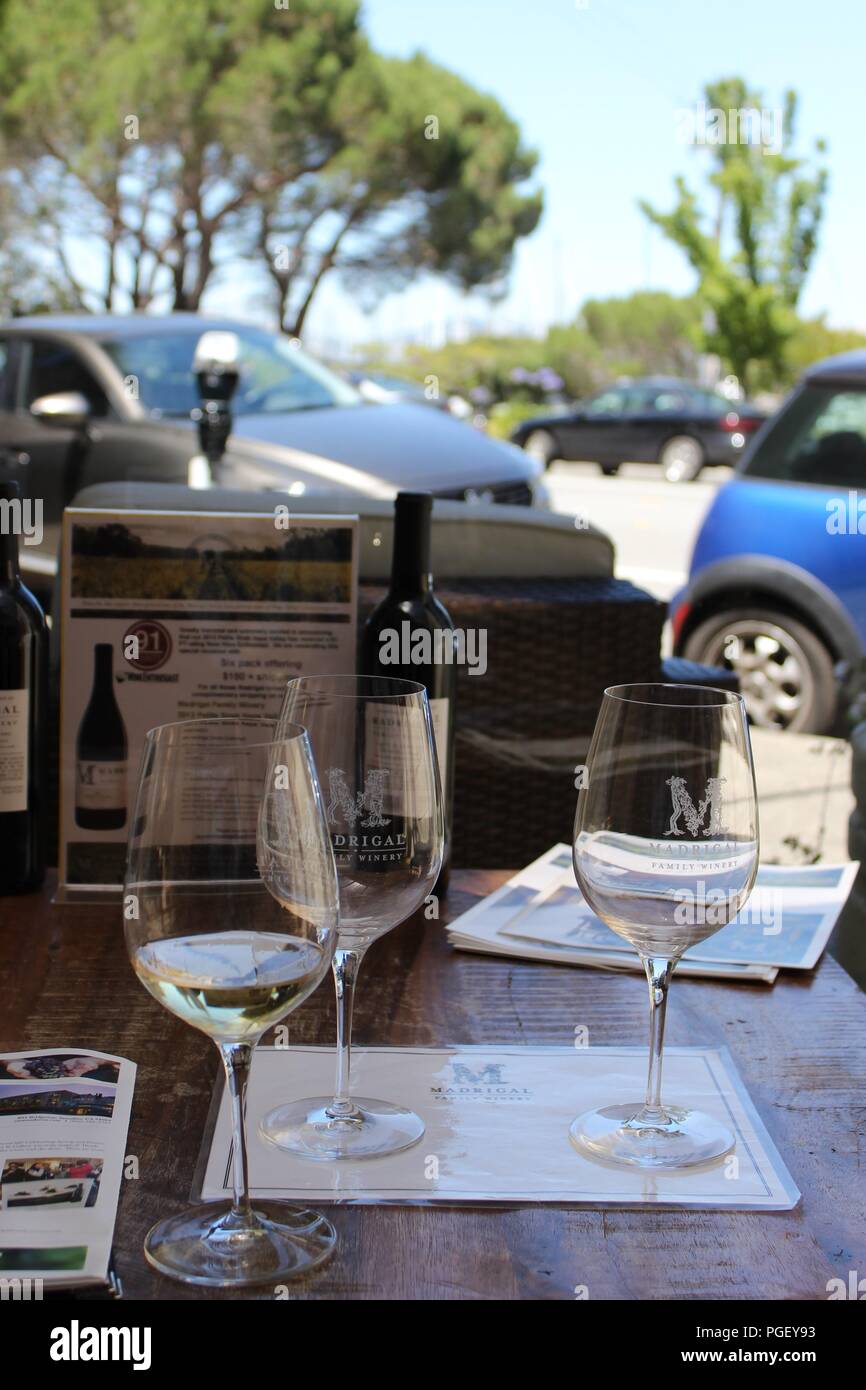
(373, 744)
(666, 853)
(231, 911)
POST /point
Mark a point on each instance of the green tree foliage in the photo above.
(812, 341)
(752, 250)
(633, 335)
(647, 332)
(178, 138)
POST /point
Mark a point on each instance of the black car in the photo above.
(89, 399)
(661, 420)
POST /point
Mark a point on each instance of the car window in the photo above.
(667, 400)
(819, 437)
(606, 403)
(670, 402)
(274, 376)
(55, 367)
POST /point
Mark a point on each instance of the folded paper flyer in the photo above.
(64, 1116)
(541, 914)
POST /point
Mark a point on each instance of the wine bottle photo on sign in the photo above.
(23, 712)
(410, 636)
(101, 752)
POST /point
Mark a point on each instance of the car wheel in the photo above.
(857, 836)
(541, 445)
(609, 470)
(785, 671)
(681, 459)
(858, 764)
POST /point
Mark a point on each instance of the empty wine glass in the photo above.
(230, 912)
(373, 744)
(666, 853)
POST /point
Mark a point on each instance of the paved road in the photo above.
(652, 523)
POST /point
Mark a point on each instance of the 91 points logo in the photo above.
(146, 645)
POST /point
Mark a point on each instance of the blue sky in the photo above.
(595, 86)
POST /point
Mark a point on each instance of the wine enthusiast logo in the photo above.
(147, 645)
(684, 807)
(371, 798)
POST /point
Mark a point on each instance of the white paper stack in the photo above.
(540, 914)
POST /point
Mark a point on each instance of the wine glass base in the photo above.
(372, 1129)
(200, 1246)
(688, 1138)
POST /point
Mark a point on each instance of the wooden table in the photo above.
(800, 1046)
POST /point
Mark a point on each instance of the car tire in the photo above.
(609, 470)
(541, 445)
(681, 458)
(857, 836)
(858, 764)
(785, 671)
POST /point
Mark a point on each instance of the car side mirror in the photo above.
(67, 409)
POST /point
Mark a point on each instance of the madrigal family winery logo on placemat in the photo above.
(683, 808)
(474, 1081)
(358, 822)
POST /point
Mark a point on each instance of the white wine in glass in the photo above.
(230, 914)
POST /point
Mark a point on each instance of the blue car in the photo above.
(777, 586)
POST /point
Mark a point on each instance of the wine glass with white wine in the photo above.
(666, 853)
(230, 913)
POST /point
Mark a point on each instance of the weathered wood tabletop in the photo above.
(800, 1047)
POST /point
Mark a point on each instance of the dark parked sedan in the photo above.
(661, 420)
(108, 399)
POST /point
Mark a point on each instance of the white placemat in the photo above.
(497, 1123)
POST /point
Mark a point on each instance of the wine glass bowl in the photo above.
(230, 916)
(666, 853)
(373, 744)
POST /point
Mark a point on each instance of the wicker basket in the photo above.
(523, 727)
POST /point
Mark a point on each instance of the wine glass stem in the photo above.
(236, 1060)
(658, 972)
(346, 966)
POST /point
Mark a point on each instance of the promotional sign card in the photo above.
(497, 1129)
(182, 615)
(64, 1116)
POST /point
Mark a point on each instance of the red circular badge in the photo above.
(147, 645)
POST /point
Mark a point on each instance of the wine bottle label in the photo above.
(14, 726)
(439, 720)
(100, 786)
(396, 742)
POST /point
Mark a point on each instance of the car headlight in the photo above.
(541, 493)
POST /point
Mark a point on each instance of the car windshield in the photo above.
(819, 437)
(275, 376)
